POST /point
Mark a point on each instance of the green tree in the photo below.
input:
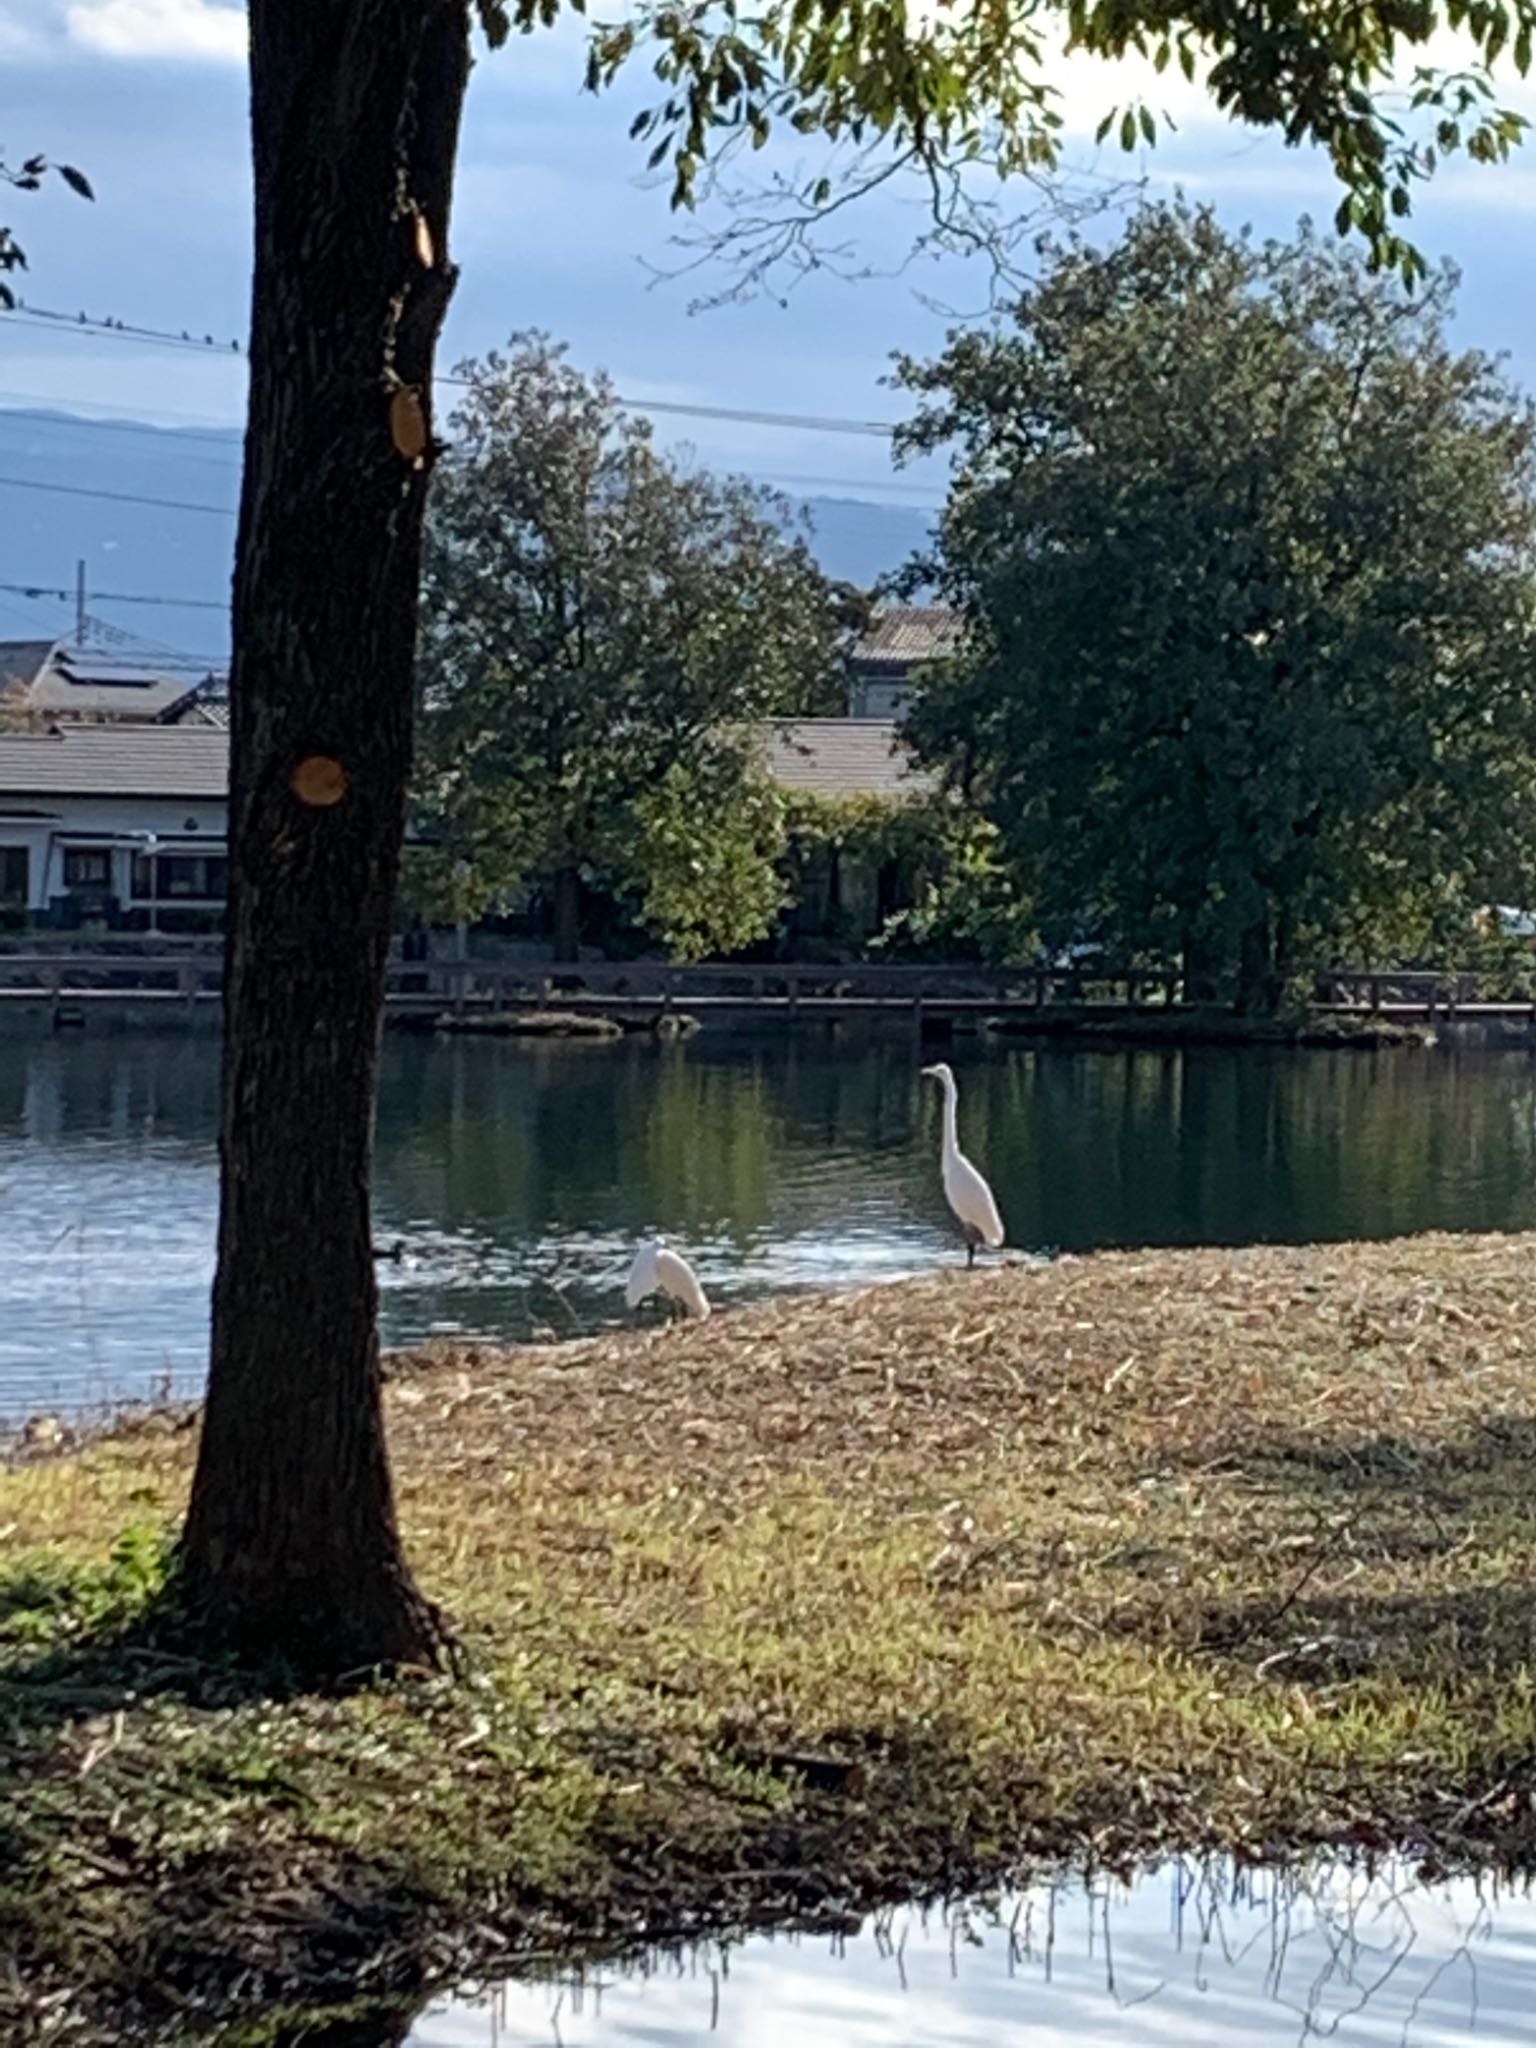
(603, 630)
(1247, 555)
(355, 108)
(959, 899)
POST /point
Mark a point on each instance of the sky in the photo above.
(557, 226)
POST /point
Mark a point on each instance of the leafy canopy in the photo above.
(1247, 556)
(970, 81)
(603, 630)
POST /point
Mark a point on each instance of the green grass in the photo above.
(799, 1610)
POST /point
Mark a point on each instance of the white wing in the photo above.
(676, 1277)
(966, 1189)
(643, 1276)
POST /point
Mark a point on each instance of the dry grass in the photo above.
(814, 1603)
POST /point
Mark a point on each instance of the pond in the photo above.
(519, 1175)
(1186, 1958)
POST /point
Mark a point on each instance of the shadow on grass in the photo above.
(104, 1888)
(1418, 1564)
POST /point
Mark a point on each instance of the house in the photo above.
(114, 825)
(52, 682)
(120, 826)
(844, 757)
(899, 641)
(840, 898)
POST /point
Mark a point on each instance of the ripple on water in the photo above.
(521, 1177)
(1181, 1959)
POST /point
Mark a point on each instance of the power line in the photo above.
(864, 485)
(162, 337)
(230, 512)
(22, 483)
(186, 604)
(121, 330)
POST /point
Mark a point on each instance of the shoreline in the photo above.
(827, 1602)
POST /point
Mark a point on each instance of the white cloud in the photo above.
(203, 31)
(18, 38)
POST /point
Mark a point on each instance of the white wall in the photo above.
(194, 824)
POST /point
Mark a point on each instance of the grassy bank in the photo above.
(812, 1605)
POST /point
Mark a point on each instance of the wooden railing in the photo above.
(192, 975)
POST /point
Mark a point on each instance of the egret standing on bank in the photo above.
(965, 1186)
(659, 1270)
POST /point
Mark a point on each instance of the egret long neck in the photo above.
(951, 1129)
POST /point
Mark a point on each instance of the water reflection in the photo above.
(521, 1175)
(1185, 1958)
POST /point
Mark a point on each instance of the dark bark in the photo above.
(1259, 988)
(1202, 975)
(291, 1542)
(566, 892)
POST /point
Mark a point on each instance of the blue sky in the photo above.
(555, 226)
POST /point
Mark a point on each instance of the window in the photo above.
(179, 877)
(87, 867)
(15, 877)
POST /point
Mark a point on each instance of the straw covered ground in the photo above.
(806, 1607)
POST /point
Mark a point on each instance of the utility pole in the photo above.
(79, 604)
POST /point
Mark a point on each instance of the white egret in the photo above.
(965, 1186)
(660, 1270)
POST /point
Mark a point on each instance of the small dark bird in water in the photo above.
(395, 1251)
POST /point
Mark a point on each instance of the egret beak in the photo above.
(931, 1072)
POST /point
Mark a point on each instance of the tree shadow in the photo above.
(1415, 1563)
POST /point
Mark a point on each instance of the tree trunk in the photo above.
(1258, 985)
(567, 914)
(1201, 967)
(291, 1542)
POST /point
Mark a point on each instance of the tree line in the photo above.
(1244, 551)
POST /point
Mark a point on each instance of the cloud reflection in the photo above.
(1186, 1958)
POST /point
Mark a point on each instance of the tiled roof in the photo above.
(58, 694)
(843, 757)
(116, 760)
(908, 633)
(54, 679)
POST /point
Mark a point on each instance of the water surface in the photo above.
(1185, 1959)
(521, 1175)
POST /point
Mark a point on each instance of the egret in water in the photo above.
(660, 1270)
(965, 1186)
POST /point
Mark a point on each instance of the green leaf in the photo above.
(1105, 125)
(1128, 129)
(1148, 125)
(77, 181)
(495, 22)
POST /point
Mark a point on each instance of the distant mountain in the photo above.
(151, 512)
